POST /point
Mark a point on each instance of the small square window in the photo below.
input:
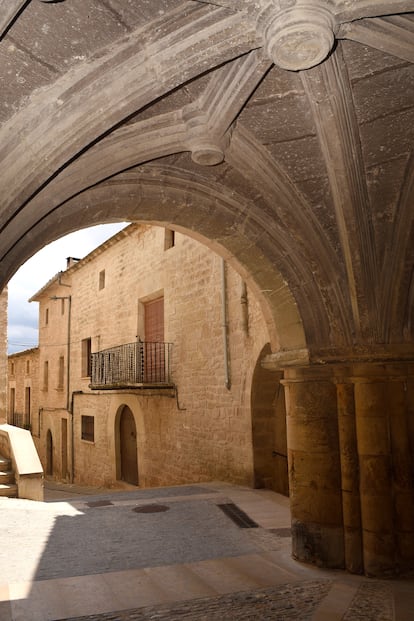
(88, 428)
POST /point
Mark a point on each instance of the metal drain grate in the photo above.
(151, 509)
(238, 516)
(99, 503)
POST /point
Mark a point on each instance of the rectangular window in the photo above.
(27, 367)
(12, 404)
(12, 368)
(101, 279)
(86, 357)
(61, 372)
(169, 239)
(45, 375)
(46, 316)
(27, 406)
(88, 428)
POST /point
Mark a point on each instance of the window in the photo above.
(12, 368)
(88, 428)
(27, 406)
(45, 375)
(169, 239)
(46, 316)
(62, 306)
(12, 403)
(27, 367)
(61, 372)
(86, 357)
(101, 279)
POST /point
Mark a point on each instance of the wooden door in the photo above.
(64, 439)
(128, 447)
(49, 453)
(154, 356)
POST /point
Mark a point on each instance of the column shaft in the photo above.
(314, 469)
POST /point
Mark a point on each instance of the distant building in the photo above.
(23, 389)
(149, 370)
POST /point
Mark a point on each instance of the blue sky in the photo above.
(23, 316)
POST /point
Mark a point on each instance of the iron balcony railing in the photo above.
(133, 364)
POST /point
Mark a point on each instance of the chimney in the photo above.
(71, 261)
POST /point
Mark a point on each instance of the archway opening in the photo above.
(269, 428)
(126, 446)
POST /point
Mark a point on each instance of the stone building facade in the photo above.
(23, 389)
(220, 415)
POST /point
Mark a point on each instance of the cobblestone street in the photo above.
(173, 553)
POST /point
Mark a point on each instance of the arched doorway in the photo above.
(127, 454)
(269, 428)
(49, 453)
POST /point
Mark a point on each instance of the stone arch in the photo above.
(196, 210)
(116, 404)
(269, 428)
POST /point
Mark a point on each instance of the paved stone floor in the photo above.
(172, 553)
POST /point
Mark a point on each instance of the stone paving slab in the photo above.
(302, 601)
(114, 538)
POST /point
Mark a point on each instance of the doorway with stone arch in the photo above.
(126, 446)
(269, 428)
(49, 453)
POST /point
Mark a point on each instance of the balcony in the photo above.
(140, 365)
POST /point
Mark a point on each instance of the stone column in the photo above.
(314, 466)
(386, 472)
(351, 505)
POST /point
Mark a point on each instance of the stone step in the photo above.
(9, 490)
(6, 476)
(5, 464)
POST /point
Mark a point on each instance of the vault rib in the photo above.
(80, 114)
(329, 96)
(143, 141)
(395, 256)
(308, 241)
(392, 35)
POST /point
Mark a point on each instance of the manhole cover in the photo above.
(151, 509)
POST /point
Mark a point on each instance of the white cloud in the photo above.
(37, 271)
